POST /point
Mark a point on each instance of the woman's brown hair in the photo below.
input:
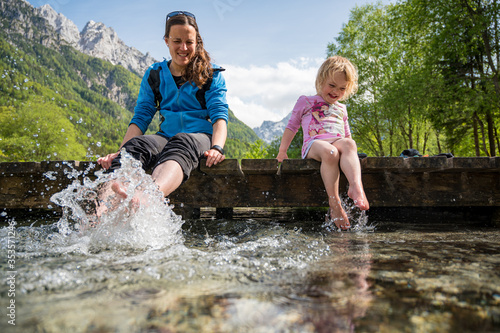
(199, 69)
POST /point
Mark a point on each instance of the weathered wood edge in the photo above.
(269, 166)
(389, 182)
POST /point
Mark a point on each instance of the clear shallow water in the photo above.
(145, 270)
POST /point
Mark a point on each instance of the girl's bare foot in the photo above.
(337, 215)
(357, 194)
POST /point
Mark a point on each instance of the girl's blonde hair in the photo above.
(334, 65)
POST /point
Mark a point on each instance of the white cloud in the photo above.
(263, 93)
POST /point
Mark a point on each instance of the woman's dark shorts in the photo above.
(152, 150)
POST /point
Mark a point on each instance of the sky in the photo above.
(271, 49)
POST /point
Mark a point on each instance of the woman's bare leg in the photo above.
(168, 176)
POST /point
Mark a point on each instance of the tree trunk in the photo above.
(491, 136)
(410, 130)
(438, 143)
(476, 134)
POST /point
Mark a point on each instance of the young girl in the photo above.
(327, 137)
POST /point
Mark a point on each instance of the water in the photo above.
(143, 269)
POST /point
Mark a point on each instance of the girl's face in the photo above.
(181, 43)
(333, 88)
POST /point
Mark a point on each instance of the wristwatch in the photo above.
(219, 148)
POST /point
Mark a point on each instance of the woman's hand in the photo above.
(282, 156)
(213, 157)
(105, 161)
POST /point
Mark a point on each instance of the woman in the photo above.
(190, 94)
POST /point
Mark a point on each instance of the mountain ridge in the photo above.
(97, 40)
(269, 130)
(42, 69)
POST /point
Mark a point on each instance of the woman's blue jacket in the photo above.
(187, 109)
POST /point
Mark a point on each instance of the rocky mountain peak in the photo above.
(271, 130)
(62, 25)
(97, 40)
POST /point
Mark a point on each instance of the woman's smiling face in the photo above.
(181, 43)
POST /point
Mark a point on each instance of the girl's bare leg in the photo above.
(349, 163)
(328, 155)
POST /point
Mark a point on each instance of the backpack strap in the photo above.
(154, 83)
(200, 94)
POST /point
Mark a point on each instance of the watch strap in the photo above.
(219, 148)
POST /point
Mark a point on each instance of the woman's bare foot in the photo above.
(119, 190)
(136, 201)
(357, 194)
(109, 203)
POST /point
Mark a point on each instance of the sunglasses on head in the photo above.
(178, 12)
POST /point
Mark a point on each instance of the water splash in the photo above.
(357, 218)
(96, 218)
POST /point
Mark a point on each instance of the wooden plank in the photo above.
(226, 167)
(30, 185)
(461, 164)
(401, 164)
(301, 190)
(210, 190)
(259, 166)
(7, 168)
(432, 189)
(382, 164)
(388, 182)
(299, 166)
(496, 163)
(427, 164)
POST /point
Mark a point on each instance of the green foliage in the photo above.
(257, 150)
(235, 148)
(69, 95)
(428, 76)
(38, 131)
(29, 80)
(239, 131)
(294, 150)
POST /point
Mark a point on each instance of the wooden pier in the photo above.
(390, 182)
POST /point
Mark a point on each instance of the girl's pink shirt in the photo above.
(319, 120)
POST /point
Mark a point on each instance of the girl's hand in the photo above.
(105, 161)
(281, 156)
(214, 157)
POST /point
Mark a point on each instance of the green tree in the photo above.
(256, 150)
(38, 131)
(464, 51)
(428, 76)
(387, 114)
(294, 151)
